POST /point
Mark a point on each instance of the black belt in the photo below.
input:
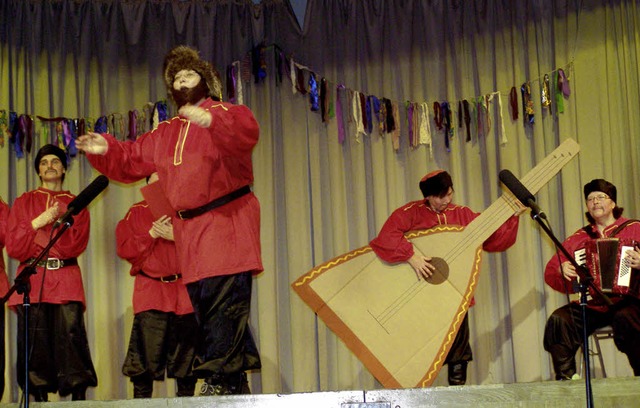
(163, 279)
(53, 263)
(186, 214)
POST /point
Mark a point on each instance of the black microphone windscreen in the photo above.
(88, 194)
(515, 186)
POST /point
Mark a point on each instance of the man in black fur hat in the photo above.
(563, 332)
(203, 159)
(60, 358)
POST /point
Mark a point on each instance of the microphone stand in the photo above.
(586, 282)
(23, 285)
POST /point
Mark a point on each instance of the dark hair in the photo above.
(50, 149)
(436, 184)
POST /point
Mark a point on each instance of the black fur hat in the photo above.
(50, 149)
(601, 185)
(183, 57)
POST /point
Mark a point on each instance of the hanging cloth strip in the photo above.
(313, 93)
(4, 126)
(375, 106)
(391, 121)
(562, 90)
(502, 137)
(395, 135)
(545, 93)
(341, 133)
(410, 124)
(467, 119)
(513, 103)
(481, 117)
(527, 104)
(101, 125)
(437, 115)
(324, 100)
(356, 114)
(446, 123)
(368, 109)
(566, 89)
(425, 127)
(292, 74)
(71, 134)
(382, 117)
(245, 71)
(300, 84)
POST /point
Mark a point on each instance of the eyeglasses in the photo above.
(599, 197)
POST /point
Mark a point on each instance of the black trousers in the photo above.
(563, 333)
(159, 342)
(59, 356)
(460, 350)
(225, 345)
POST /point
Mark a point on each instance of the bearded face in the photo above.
(190, 96)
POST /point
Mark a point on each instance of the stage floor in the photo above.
(607, 392)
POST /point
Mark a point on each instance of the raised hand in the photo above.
(46, 217)
(93, 143)
(196, 115)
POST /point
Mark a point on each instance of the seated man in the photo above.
(564, 330)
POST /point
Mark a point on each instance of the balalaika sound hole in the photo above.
(441, 273)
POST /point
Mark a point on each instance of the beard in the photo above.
(190, 96)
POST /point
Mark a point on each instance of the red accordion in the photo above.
(611, 272)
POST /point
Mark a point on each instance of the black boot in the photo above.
(564, 362)
(457, 373)
(40, 394)
(142, 388)
(186, 387)
(79, 394)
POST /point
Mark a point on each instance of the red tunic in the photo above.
(4, 215)
(577, 241)
(157, 258)
(197, 165)
(392, 246)
(60, 286)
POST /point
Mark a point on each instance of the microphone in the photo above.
(522, 193)
(83, 199)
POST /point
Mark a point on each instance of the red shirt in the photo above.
(60, 286)
(195, 166)
(4, 215)
(577, 241)
(157, 258)
(392, 246)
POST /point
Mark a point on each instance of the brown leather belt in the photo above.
(218, 202)
(163, 279)
(53, 263)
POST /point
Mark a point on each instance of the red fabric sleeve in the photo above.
(390, 244)
(504, 237)
(133, 241)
